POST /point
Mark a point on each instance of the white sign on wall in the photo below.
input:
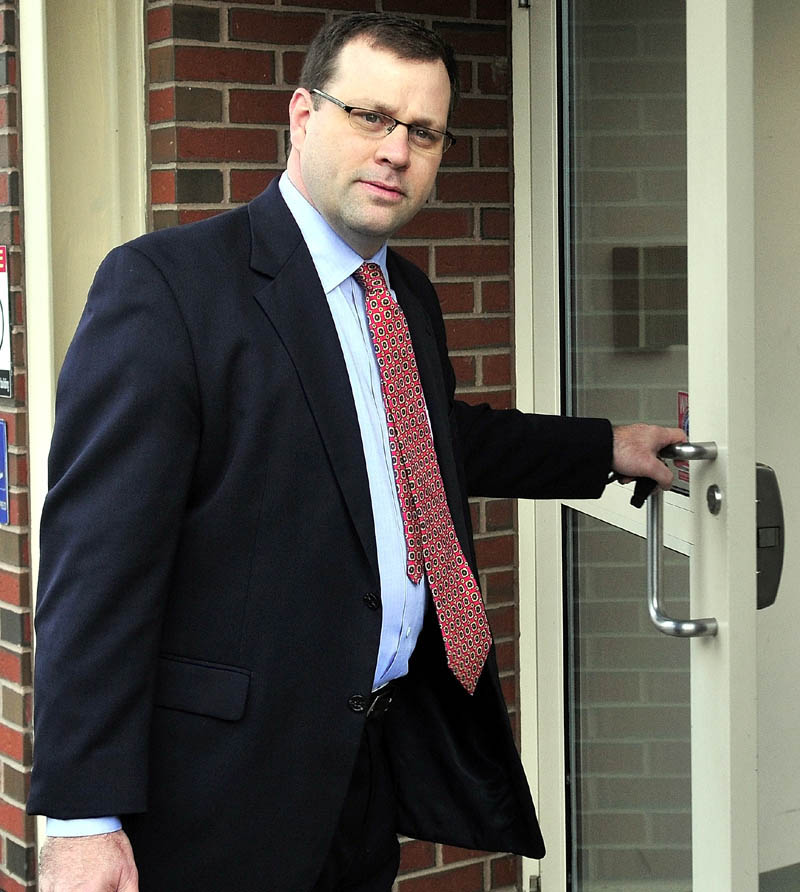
(6, 372)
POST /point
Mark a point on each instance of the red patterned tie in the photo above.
(430, 535)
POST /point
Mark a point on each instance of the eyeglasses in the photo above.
(378, 125)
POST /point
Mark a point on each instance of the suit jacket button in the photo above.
(357, 703)
(372, 600)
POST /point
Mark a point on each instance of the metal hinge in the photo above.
(535, 884)
(525, 4)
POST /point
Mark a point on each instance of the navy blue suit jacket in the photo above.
(207, 545)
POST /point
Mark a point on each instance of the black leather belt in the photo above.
(379, 701)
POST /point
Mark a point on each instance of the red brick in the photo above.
(17, 469)
(12, 70)
(162, 105)
(439, 223)
(495, 297)
(292, 65)
(163, 144)
(495, 551)
(418, 255)
(362, 5)
(161, 63)
(9, 884)
(8, 28)
(246, 184)
(17, 427)
(509, 688)
(482, 331)
(493, 77)
(12, 742)
(159, 24)
(496, 369)
(162, 186)
(495, 223)
(473, 186)
(193, 63)
(226, 144)
(464, 367)
(494, 151)
(499, 513)
(505, 871)
(259, 106)
(15, 274)
(461, 879)
(498, 399)
(20, 387)
(506, 652)
(8, 111)
(479, 260)
(456, 297)
(503, 621)
(490, 9)
(460, 8)
(5, 189)
(464, 76)
(192, 216)
(475, 40)
(417, 855)
(8, 150)
(274, 27)
(15, 666)
(460, 154)
(15, 588)
(454, 854)
(484, 113)
(18, 509)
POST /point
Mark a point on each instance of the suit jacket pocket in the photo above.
(211, 689)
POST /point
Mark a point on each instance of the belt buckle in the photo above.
(380, 702)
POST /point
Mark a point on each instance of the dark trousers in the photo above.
(365, 854)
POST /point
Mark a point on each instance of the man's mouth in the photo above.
(386, 190)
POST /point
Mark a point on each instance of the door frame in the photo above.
(721, 247)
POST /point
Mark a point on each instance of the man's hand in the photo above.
(636, 448)
(102, 863)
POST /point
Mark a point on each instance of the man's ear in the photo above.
(300, 106)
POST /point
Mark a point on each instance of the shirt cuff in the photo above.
(82, 826)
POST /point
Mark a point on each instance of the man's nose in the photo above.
(394, 147)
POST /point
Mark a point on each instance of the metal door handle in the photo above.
(678, 628)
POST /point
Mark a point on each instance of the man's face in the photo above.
(367, 188)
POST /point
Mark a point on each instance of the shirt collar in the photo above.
(334, 260)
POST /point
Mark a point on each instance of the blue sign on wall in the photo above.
(3, 472)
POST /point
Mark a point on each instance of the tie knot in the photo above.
(369, 275)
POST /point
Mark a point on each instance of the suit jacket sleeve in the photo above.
(126, 434)
(510, 454)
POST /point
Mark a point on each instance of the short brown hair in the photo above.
(400, 35)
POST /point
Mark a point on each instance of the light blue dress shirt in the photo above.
(403, 602)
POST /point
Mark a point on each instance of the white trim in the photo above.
(89, 203)
(537, 366)
(38, 278)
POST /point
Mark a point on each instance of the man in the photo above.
(260, 644)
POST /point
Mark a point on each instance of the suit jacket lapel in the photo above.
(297, 307)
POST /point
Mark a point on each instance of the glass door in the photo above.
(645, 744)
(625, 356)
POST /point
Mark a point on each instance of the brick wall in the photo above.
(220, 78)
(17, 843)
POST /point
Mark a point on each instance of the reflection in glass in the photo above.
(625, 209)
(629, 751)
